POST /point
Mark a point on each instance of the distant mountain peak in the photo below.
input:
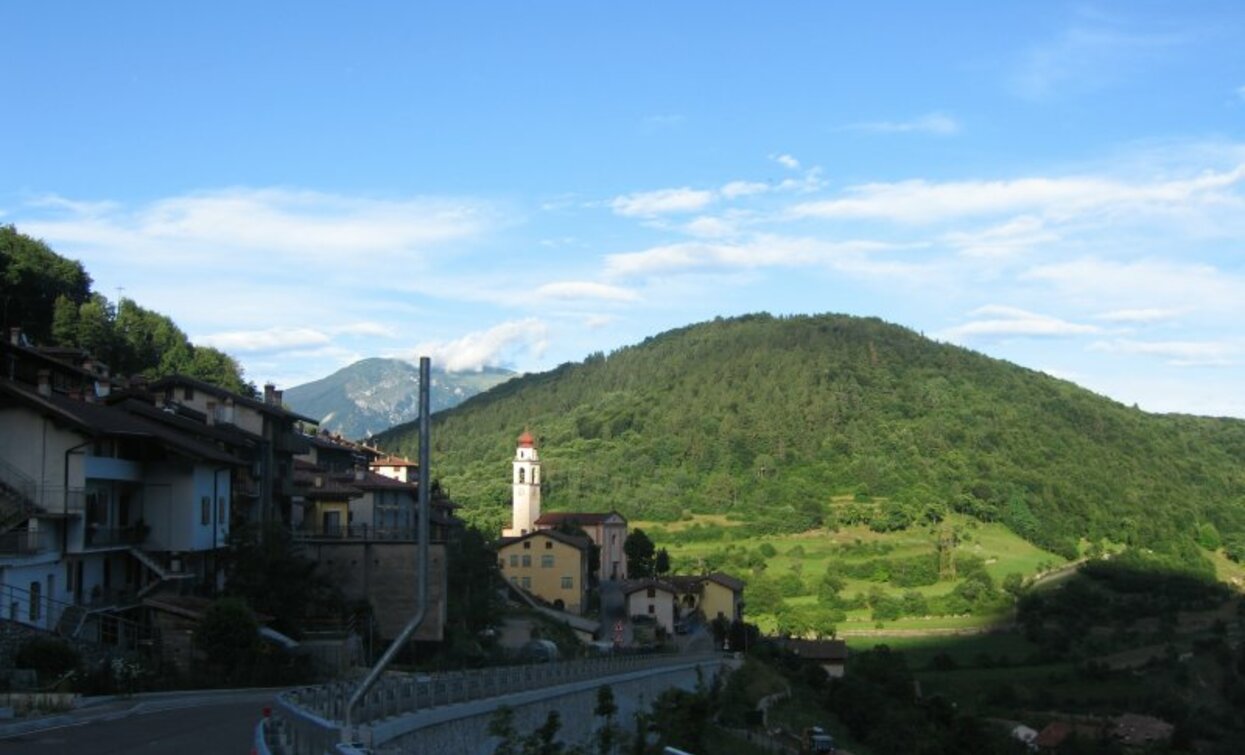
(376, 393)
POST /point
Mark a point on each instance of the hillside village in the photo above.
(124, 501)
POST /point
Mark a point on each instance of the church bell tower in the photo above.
(526, 486)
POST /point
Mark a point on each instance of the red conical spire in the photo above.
(526, 439)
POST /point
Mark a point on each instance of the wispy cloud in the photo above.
(1000, 321)
(584, 290)
(937, 124)
(1142, 315)
(269, 339)
(787, 161)
(1005, 240)
(1093, 53)
(1154, 284)
(920, 201)
(496, 346)
(662, 202)
(1177, 353)
(759, 252)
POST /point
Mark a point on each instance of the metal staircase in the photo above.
(17, 497)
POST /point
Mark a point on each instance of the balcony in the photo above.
(355, 532)
(26, 543)
(112, 537)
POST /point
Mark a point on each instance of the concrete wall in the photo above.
(383, 573)
(461, 729)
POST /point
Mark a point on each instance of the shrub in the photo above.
(48, 656)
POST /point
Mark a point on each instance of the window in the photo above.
(205, 510)
(527, 583)
(527, 560)
(568, 583)
(35, 602)
(527, 545)
(652, 592)
(546, 561)
(220, 509)
(188, 393)
(652, 608)
(548, 545)
(520, 475)
(514, 559)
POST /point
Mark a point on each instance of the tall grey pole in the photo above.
(421, 523)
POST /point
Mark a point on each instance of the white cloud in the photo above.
(938, 124)
(759, 252)
(270, 339)
(736, 189)
(291, 231)
(787, 161)
(365, 329)
(596, 322)
(491, 347)
(584, 290)
(919, 201)
(1177, 353)
(662, 202)
(707, 226)
(1005, 240)
(1003, 321)
(1140, 315)
(1144, 284)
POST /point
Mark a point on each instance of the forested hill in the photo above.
(51, 299)
(770, 417)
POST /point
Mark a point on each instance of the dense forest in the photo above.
(50, 298)
(791, 423)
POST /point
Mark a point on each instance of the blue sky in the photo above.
(305, 184)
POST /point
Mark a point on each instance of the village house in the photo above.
(549, 565)
(652, 598)
(107, 509)
(830, 655)
(713, 596)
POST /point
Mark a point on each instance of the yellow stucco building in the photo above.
(549, 565)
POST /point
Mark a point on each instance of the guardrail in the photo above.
(311, 718)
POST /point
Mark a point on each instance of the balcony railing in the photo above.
(102, 537)
(26, 543)
(355, 532)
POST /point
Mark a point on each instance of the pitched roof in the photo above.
(695, 582)
(582, 518)
(238, 399)
(818, 650)
(108, 421)
(581, 543)
(727, 581)
(393, 461)
(635, 585)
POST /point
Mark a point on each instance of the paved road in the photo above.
(178, 727)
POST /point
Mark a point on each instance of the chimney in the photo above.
(269, 390)
(276, 397)
(15, 335)
(45, 382)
